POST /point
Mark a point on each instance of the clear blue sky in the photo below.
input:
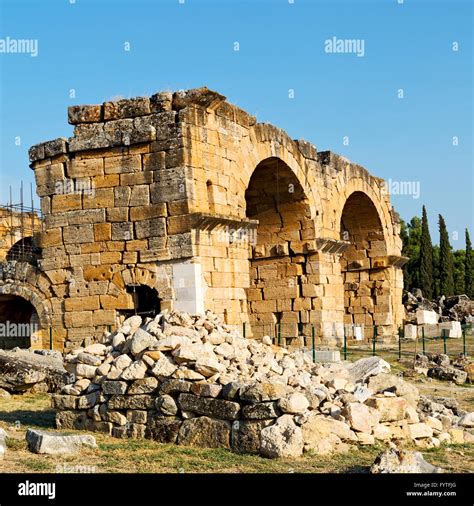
(177, 45)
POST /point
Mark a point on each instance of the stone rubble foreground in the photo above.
(192, 380)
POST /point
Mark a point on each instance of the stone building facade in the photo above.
(184, 201)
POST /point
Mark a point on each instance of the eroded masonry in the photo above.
(183, 201)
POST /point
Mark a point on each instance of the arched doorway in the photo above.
(19, 323)
(278, 295)
(24, 250)
(367, 300)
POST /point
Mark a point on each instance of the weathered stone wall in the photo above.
(188, 195)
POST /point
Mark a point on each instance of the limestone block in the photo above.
(155, 227)
(150, 211)
(78, 168)
(82, 303)
(117, 214)
(84, 114)
(154, 161)
(51, 237)
(99, 198)
(140, 195)
(122, 231)
(451, 329)
(127, 108)
(76, 234)
(68, 202)
(121, 164)
(410, 331)
(102, 232)
(105, 181)
(423, 317)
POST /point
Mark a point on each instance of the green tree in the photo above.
(459, 260)
(436, 289)
(411, 234)
(426, 258)
(468, 268)
(446, 267)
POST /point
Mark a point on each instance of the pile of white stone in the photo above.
(192, 380)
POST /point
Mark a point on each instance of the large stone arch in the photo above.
(10, 290)
(370, 273)
(358, 180)
(284, 239)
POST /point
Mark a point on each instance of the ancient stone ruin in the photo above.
(183, 201)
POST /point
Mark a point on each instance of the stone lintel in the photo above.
(331, 245)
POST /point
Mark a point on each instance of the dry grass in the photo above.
(140, 456)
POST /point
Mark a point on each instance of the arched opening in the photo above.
(19, 323)
(146, 302)
(24, 250)
(278, 294)
(363, 266)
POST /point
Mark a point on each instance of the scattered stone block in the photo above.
(426, 317)
(56, 444)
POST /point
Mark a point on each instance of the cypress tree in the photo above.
(426, 258)
(468, 268)
(446, 266)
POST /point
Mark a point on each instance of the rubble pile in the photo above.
(455, 308)
(192, 380)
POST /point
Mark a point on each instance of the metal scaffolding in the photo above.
(22, 226)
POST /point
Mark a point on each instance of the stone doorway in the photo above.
(19, 323)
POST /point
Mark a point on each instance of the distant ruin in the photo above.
(183, 201)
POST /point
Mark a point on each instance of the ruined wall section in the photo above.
(115, 199)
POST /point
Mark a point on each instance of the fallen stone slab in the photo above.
(57, 444)
(366, 367)
(401, 461)
(21, 370)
